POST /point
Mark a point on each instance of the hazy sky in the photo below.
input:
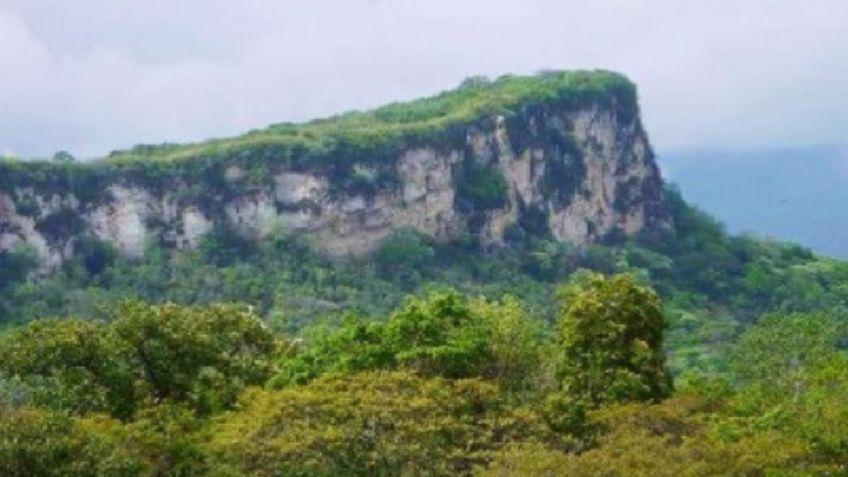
(94, 75)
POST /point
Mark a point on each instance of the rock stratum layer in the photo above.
(562, 154)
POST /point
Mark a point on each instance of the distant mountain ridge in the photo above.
(793, 193)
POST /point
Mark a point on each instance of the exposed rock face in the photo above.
(579, 175)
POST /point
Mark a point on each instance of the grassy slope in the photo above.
(415, 119)
(332, 144)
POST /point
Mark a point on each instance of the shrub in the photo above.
(403, 253)
(610, 331)
(480, 187)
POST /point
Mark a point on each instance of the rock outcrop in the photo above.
(579, 173)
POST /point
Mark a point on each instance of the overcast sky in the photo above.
(90, 76)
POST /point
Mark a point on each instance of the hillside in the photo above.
(491, 282)
(505, 186)
(792, 194)
(559, 153)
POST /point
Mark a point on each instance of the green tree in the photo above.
(367, 424)
(36, 442)
(516, 343)
(168, 440)
(610, 333)
(439, 335)
(792, 376)
(63, 157)
(69, 364)
(777, 356)
(354, 346)
(402, 254)
(671, 439)
(199, 355)
(16, 264)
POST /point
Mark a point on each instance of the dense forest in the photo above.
(684, 352)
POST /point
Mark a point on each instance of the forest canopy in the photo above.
(447, 384)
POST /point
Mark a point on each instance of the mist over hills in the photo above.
(790, 193)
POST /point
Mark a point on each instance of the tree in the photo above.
(439, 335)
(352, 347)
(367, 424)
(37, 442)
(199, 356)
(70, 365)
(402, 254)
(777, 356)
(792, 376)
(670, 439)
(63, 156)
(610, 333)
(16, 264)
(203, 356)
(516, 342)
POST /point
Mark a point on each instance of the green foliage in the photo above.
(780, 351)
(518, 347)
(667, 440)
(447, 385)
(223, 246)
(351, 347)
(64, 223)
(566, 168)
(16, 265)
(341, 147)
(440, 334)
(480, 187)
(199, 356)
(85, 180)
(792, 376)
(364, 425)
(93, 255)
(610, 331)
(402, 254)
(34, 442)
(69, 364)
(168, 441)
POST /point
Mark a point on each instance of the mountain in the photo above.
(559, 153)
(497, 187)
(414, 291)
(796, 194)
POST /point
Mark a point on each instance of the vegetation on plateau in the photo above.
(333, 146)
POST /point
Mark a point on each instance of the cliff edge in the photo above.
(560, 153)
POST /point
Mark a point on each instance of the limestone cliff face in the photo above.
(576, 174)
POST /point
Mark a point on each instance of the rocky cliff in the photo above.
(561, 154)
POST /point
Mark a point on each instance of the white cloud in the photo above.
(93, 75)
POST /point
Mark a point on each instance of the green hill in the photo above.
(582, 319)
